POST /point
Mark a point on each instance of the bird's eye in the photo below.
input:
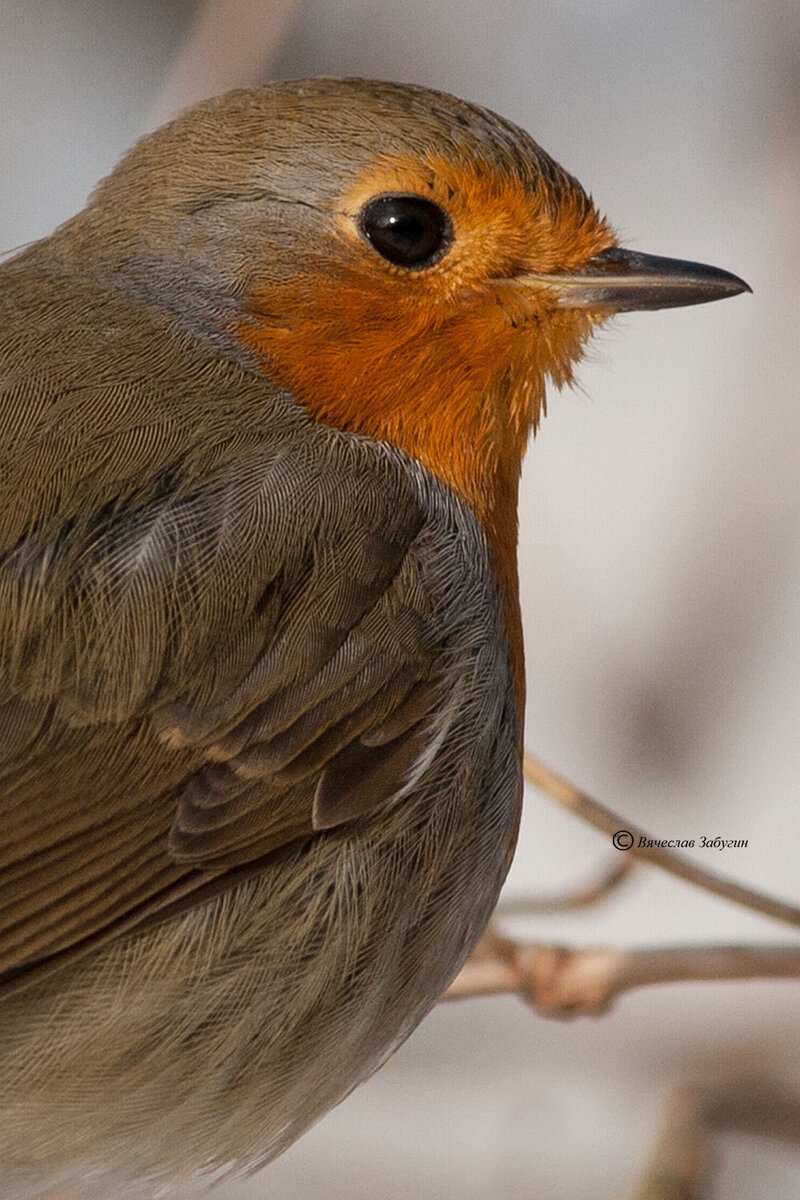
(408, 231)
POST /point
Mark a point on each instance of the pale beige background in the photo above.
(660, 563)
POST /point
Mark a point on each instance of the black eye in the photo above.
(408, 231)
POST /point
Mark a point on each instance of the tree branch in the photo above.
(606, 820)
(559, 982)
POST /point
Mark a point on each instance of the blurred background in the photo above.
(660, 556)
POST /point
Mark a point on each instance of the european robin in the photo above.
(264, 404)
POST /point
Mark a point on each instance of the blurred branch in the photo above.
(759, 1110)
(560, 982)
(581, 897)
(230, 44)
(607, 821)
(682, 1159)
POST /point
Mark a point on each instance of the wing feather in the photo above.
(218, 631)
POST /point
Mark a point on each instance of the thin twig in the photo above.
(606, 820)
(560, 982)
(582, 897)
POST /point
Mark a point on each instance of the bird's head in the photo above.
(408, 266)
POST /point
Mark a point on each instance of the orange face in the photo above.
(445, 360)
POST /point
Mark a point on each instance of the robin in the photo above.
(264, 404)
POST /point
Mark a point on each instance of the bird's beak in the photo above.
(626, 281)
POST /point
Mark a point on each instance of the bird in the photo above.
(264, 407)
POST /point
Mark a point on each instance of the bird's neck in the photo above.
(476, 452)
(469, 430)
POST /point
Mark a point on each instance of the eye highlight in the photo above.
(408, 231)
